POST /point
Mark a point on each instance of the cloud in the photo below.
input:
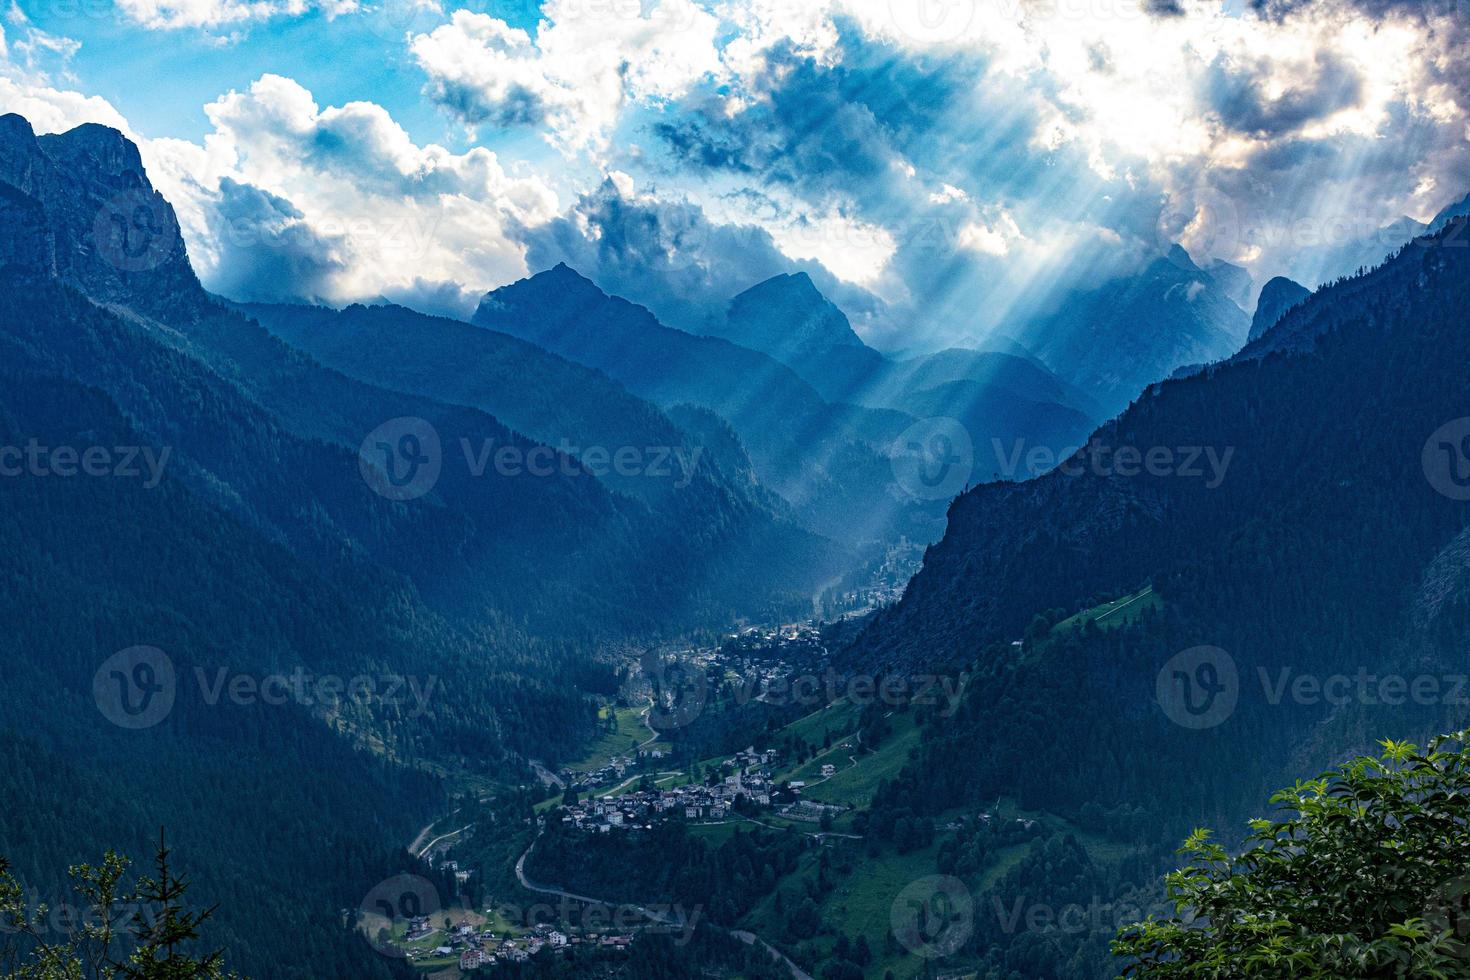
(266, 251)
(484, 71)
(173, 14)
(940, 176)
(211, 16)
(991, 149)
(669, 255)
(32, 64)
(587, 62)
(1238, 94)
(341, 204)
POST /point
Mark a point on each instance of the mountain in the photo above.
(1304, 518)
(788, 318)
(1458, 209)
(1115, 340)
(192, 491)
(1001, 391)
(158, 512)
(1233, 280)
(1277, 296)
(705, 503)
(827, 460)
(485, 538)
(1349, 248)
(823, 426)
(95, 566)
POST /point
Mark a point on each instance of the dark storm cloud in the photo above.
(1236, 93)
(1447, 23)
(268, 252)
(668, 256)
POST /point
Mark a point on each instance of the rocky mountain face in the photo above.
(1277, 296)
(821, 414)
(115, 237)
(787, 317)
(1117, 339)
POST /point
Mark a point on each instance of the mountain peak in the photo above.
(1277, 297)
(88, 187)
(563, 276)
(100, 149)
(13, 125)
(787, 315)
(791, 286)
(1178, 256)
(560, 288)
(1459, 209)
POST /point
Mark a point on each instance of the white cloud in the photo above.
(978, 238)
(229, 16)
(31, 61)
(852, 250)
(398, 215)
(52, 110)
(587, 62)
(173, 14)
(903, 155)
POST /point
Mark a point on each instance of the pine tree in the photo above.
(163, 934)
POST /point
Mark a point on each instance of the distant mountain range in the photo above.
(1117, 339)
(1347, 248)
(1303, 515)
(247, 522)
(504, 507)
(819, 411)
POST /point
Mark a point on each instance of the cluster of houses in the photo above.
(616, 770)
(808, 811)
(642, 808)
(479, 949)
(886, 586)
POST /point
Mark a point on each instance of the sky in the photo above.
(944, 169)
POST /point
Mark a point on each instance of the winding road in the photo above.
(662, 918)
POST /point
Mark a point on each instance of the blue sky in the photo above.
(943, 168)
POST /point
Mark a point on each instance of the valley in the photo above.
(821, 745)
(753, 532)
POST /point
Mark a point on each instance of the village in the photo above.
(636, 788)
(748, 787)
(753, 660)
(477, 947)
